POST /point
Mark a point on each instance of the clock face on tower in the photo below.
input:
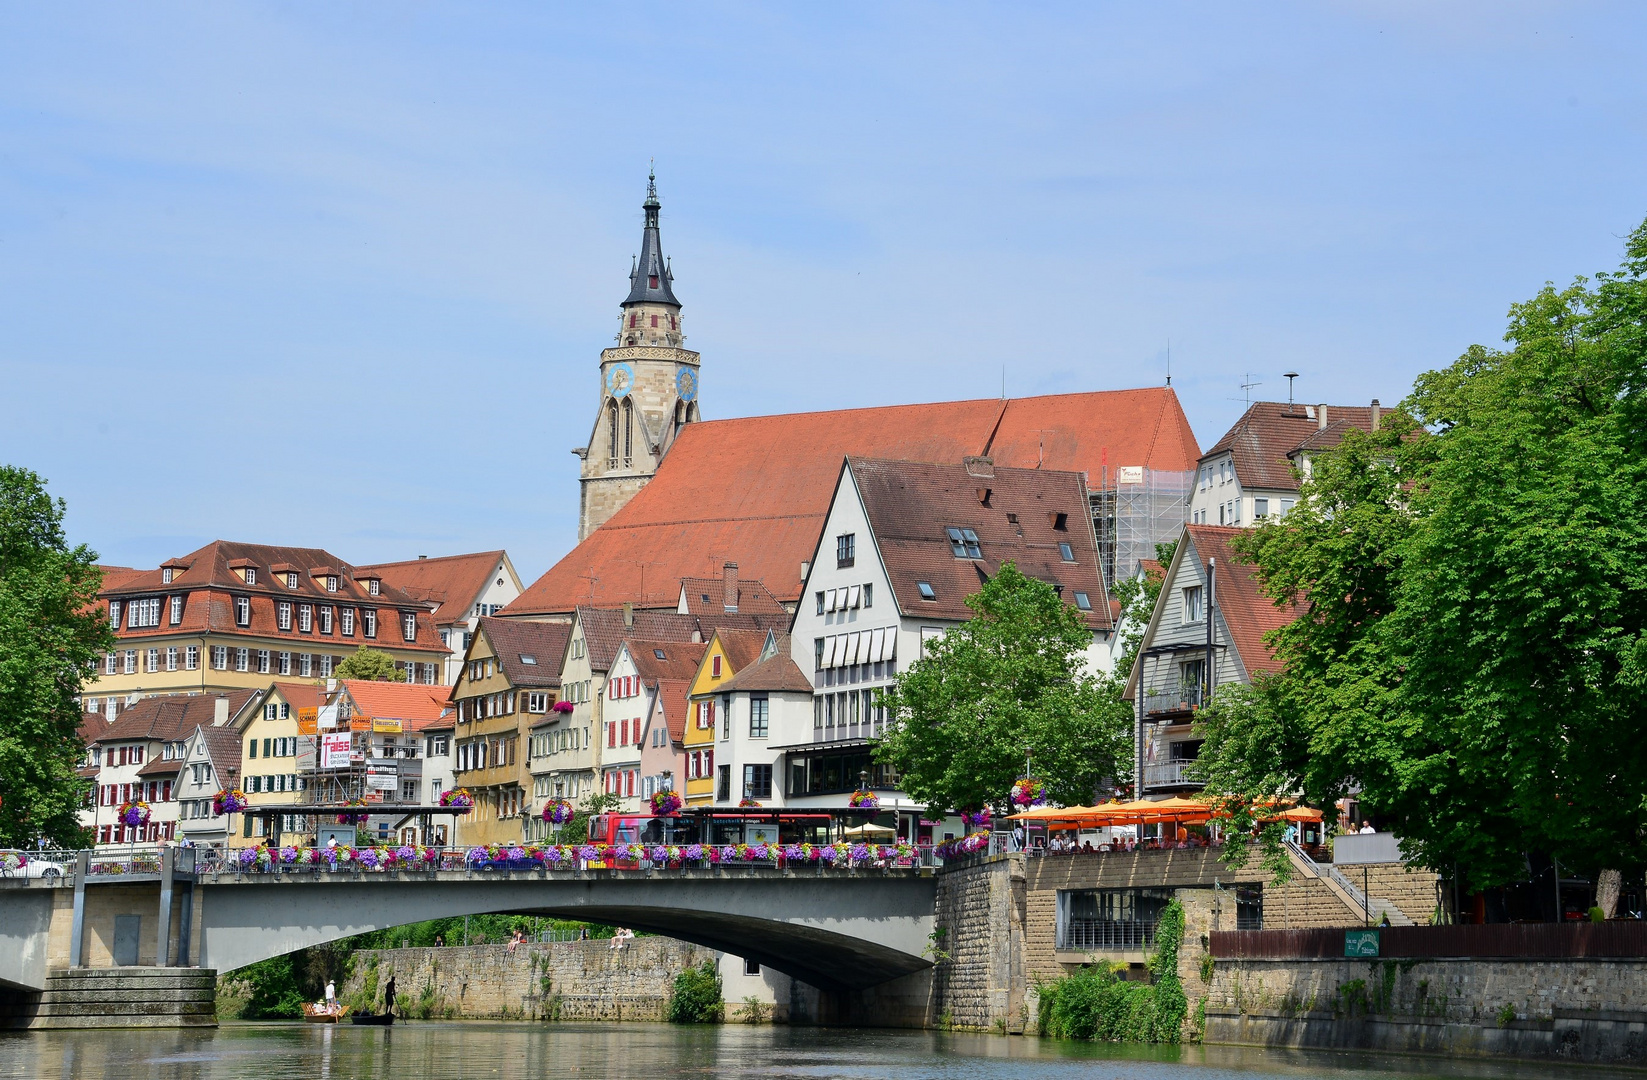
(686, 384)
(620, 379)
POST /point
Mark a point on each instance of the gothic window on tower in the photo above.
(628, 432)
(612, 420)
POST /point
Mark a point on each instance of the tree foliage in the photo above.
(1473, 588)
(1093, 1002)
(695, 996)
(52, 633)
(1010, 681)
(372, 665)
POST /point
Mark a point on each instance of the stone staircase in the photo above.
(1370, 909)
(120, 997)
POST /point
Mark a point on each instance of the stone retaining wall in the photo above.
(571, 980)
(980, 909)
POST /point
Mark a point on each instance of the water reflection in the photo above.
(488, 1051)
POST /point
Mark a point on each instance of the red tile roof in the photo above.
(911, 507)
(744, 647)
(674, 707)
(706, 596)
(223, 747)
(451, 582)
(301, 695)
(170, 717)
(604, 629)
(754, 491)
(680, 659)
(1246, 612)
(775, 674)
(514, 639)
(1263, 441)
(413, 703)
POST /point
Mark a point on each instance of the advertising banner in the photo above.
(386, 725)
(334, 751)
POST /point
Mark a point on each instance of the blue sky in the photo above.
(339, 274)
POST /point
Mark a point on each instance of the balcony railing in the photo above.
(1081, 935)
(1176, 699)
(1172, 774)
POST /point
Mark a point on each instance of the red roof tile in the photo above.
(911, 506)
(680, 659)
(1263, 441)
(451, 582)
(301, 695)
(706, 596)
(513, 640)
(411, 702)
(754, 491)
(1246, 612)
(170, 717)
(674, 693)
(775, 674)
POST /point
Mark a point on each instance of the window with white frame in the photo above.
(131, 662)
(326, 614)
(283, 615)
(373, 586)
(191, 658)
(220, 657)
(305, 664)
(114, 613)
(263, 661)
(348, 622)
(111, 663)
(283, 663)
(143, 613)
(242, 659)
(408, 625)
(305, 618)
(177, 610)
(368, 623)
(1194, 604)
(537, 702)
(152, 660)
(326, 666)
(243, 611)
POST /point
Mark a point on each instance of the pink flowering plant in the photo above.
(134, 813)
(228, 801)
(864, 800)
(666, 803)
(458, 799)
(557, 811)
(1028, 791)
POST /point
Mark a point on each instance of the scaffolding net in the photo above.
(1135, 509)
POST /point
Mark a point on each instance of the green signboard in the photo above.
(1361, 943)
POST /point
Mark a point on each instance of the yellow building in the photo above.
(270, 755)
(236, 616)
(708, 781)
(510, 681)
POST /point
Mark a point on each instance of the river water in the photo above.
(519, 1051)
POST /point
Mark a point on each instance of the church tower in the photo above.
(648, 385)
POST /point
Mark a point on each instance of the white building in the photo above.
(459, 590)
(639, 675)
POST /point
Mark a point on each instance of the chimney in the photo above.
(220, 711)
(628, 615)
(1321, 418)
(423, 556)
(1377, 414)
(729, 586)
(979, 466)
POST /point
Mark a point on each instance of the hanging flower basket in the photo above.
(353, 817)
(563, 707)
(666, 803)
(557, 811)
(748, 804)
(864, 800)
(458, 799)
(977, 819)
(231, 801)
(134, 813)
(1028, 791)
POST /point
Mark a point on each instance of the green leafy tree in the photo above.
(1253, 756)
(695, 996)
(1137, 596)
(1472, 581)
(576, 829)
(1010, 681)
(52, 633)
(372, 665)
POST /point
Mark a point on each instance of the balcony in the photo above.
(1172, 774)
(1180, 699)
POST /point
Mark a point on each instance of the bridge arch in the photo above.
(836, 932)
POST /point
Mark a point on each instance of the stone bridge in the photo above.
(840, 930)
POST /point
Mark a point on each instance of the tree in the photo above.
(372, 665)
(1137, 596)
(576, 829)
(1010, 681)
(1473, 587)
(52, 633)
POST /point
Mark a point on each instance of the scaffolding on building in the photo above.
(1133, 510)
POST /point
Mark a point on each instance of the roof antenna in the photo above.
(1247, 388)
(1003, 382)
(1169, 361)
(1289, 376)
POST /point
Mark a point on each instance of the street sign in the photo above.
(1361, 943)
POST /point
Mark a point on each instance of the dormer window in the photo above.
(165, 575)
(331, 583)
(963, 544)
(251, 575)
(926, 590)
(291, 579)
(372, 586)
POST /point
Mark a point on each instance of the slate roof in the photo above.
(1264, 441)
(912, 506)
(680, 659)
(755, 491)
(208, 583)
(650, 282)
(707, 596)
(171, 717)
(1246, 612)
(452, 583)
(513, 639)
(775, 674)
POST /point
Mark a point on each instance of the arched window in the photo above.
(628, 430)
(680, 416)
(612, 423)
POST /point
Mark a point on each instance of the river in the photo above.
(501, 1051)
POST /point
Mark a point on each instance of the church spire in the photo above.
(650, 281)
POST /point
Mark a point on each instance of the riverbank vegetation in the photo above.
(1095, 1003)
(695, 996)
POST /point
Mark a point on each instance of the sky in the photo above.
(339, 275)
